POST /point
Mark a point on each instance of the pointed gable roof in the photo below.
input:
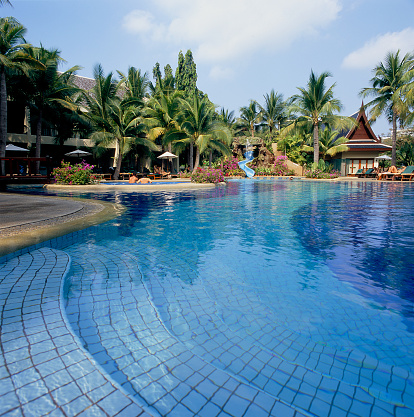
(362, 131)
(362, 137)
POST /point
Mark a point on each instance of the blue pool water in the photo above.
(262, 297)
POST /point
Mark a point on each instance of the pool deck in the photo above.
(44, 369)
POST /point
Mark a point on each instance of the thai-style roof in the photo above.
(362, 137)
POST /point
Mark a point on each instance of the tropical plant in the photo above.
(12, 59)
(273, 112)
(330, 143)
(78, 174)
(405, 153)
(316, 105)
(200, 128)
(249, 118)
(227, 117)
(48, 89)
(390, 79)
(322, 170)
(207, 175)
(114, 120)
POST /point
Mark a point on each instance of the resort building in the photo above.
(364, 146)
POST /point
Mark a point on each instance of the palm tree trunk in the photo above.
(3, 118)
(210, 158)
(118, 165)
(191, 156)
(38, 139)
(315, 144)
(197, 159)
(394, 139)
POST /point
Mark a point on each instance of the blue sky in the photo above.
(242, 48)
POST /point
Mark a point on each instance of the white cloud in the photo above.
(220, 73)
(375, 50)
(220, 31)
(139, 21)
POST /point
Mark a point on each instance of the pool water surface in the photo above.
(259, 298)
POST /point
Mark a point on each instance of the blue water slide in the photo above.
(242, 164)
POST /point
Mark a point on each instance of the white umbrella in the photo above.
(15, 148)
(384, 157)
(166, 155)
(78, 153)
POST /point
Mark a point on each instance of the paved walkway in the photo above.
(18, 210)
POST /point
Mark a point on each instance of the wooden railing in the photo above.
(25, 168)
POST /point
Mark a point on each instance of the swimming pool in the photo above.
(263, 297)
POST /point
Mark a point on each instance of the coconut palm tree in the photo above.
(249, 118)
(317, 105)
(388, 83)
(116, 120)
(161, 117)
(201, 129)
(12, 59)
(273, 112)
(48, 89)
(135, 85)
(227, 117)
(330, 143)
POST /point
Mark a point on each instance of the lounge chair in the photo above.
(406, 175)
(369, 173)
(389, 175)
(359, 172)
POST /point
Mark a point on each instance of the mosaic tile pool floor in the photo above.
(162, 332)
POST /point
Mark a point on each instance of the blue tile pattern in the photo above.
(44, 370)
(142, 329)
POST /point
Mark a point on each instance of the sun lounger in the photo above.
(406, 175)
(359, 172)
(369, 173)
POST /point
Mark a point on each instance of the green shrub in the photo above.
(79, 174)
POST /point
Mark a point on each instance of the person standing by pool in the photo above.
(133, 178)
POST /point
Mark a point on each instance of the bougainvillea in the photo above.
(78, 174)
(208, 175)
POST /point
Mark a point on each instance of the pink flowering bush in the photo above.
(279, 168)
(208, 175)
(230, 167)
(79, 174)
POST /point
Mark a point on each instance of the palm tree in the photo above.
(48, 89)
(316, 105)
(227, 117)
(114, 120)
(3, 2)
(161, 117)
(135, 85)
(12, 58)
(249, 118)
(273, 111)
(330, 143)
(390, 79)
(201, 129)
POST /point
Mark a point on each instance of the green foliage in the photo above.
(79, 174)
(207, 175)
(186, 74)
(322, 170)
(392, 78)
(405, 151)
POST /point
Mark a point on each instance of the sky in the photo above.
(242, 48)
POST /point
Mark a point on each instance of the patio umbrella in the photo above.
(15, 148)
(167, 155)
(78, 153)
(384, 157)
